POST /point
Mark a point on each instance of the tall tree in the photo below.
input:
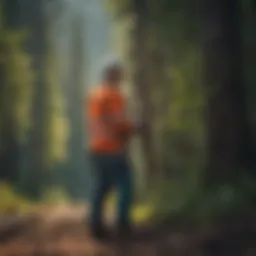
(75, 103)
(32, 173)
(16, 85)
(48, 135)
(227, 123)
(175, 29)
(249, 50)
(10, 147)
(143, 85)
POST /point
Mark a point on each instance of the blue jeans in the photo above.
(111, 171)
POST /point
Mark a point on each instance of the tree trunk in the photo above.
(141, 58)
(9, 151)
(76, 154)
(33, 172)
(12, 13)
(227, 124)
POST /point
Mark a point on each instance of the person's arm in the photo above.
(125, 126)
(122, 124)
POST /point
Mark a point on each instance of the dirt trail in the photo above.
(63, 231)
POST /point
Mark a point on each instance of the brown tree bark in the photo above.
(142, 83)
(226, 117)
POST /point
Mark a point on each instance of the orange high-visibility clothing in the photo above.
(108, 123)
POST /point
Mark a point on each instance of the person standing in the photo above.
(109, 131)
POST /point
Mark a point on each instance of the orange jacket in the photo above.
(109, 127)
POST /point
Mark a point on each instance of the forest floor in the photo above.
(63, 231)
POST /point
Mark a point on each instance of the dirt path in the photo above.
(63, 231)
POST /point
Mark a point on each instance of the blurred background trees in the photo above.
(190, 74)
(36, 107)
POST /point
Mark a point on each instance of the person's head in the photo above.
(113, 73)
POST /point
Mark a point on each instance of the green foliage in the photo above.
(11, 202)
(17, 80)
(19, 83)
(119, 8)
(222, 202)
(56, 195)
(184, 131)
(174, 200)
(174, 31)
(176, 22)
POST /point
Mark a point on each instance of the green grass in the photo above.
(11, 202)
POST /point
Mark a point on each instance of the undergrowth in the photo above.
(204, 205)
(171, 201)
